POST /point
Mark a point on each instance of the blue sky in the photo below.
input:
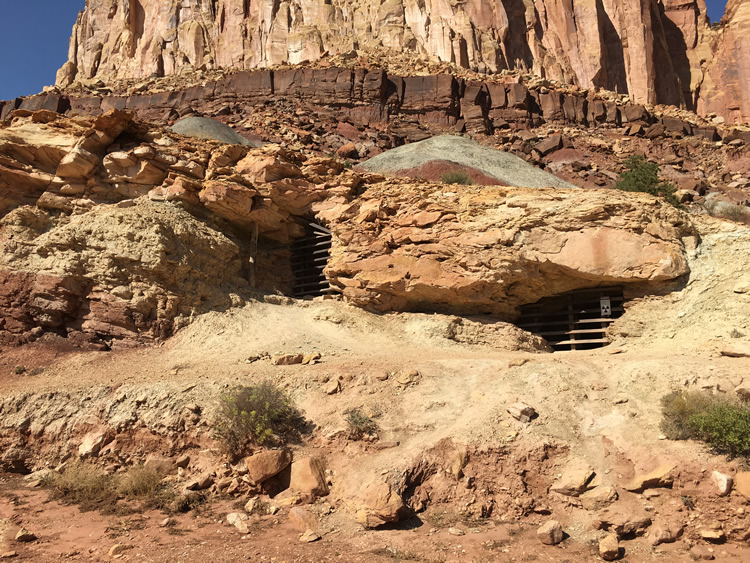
(716, 9)
(34, 38)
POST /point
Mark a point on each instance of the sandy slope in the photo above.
(602, 405)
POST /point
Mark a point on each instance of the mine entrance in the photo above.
(310, 255)
(576, 320)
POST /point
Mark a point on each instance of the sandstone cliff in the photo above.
(655, 51)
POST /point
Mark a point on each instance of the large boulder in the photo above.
(308, 478)
(377, 503)
(492, 249)
(264, 465)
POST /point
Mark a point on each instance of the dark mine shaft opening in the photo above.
(309, 257)
(577, 320)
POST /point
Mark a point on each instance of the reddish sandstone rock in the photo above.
(377, 503)
(725, 87)
(648, 50)
(264, 465)
(308, 478)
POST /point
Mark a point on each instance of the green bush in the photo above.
(643, 176)
(721, 422)
(457, 177)
(255, 414)
(360, 425)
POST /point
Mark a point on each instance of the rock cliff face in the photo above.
(655, 51)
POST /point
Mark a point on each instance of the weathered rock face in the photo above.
(645, 48)
(726, 81)
(114, 229)
(492, 249)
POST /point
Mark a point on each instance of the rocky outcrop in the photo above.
(649, 49)
(488, 250)
(371, 97)
(115, 229)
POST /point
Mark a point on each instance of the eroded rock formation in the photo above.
(116, 229)
(655, 51)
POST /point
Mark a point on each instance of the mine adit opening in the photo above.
(577, 320)
(310, 255)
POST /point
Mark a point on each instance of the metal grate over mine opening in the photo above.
(310, 256)
(577, 320)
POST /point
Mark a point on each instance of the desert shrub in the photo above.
(255, 414)
(84, 484)
(360, 424)
(20, 370)
(721, 422)
(643, 176)
(725, 210)
(186, 503)
(140, 482)
(457, 177)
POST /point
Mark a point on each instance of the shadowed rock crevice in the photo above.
(613, 75)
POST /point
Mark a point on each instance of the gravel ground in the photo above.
(205, 128)
(507, 168)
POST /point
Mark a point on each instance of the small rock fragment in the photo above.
(8, 555)
(456, 531)
(609, 547)
(119, 549)
(408, 377)
(264, 465)
(598, 498)
(287, 359)
(701, 553)
(659, 477)
(302, 519)
(666, 532)
(332, 387)
(712, 535)
(522, 412)
(310, 359)
(622, 521)
(200, 482)
(238, 520)
(574, 479)
(309, 536)
(723, 482)
(550, 533)
(24, 536)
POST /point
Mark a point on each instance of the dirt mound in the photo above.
(505, 168)
(205, 128)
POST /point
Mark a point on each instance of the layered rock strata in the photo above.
(374, 97)
(654, 51)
